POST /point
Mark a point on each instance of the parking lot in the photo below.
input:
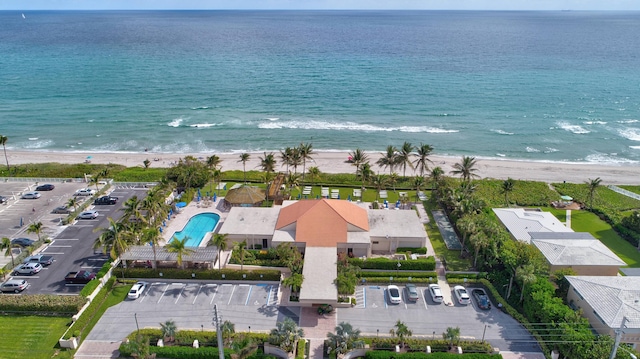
(374, 314)
(190, 304)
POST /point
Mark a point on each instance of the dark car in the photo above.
(106, 200)
(61, 210)
(22, 242)
(45, 187)
(481, 298)
(3, 199)
(412, 292)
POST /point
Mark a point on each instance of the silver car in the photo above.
(31, 195)
(88, 215)
(28, 268)
(14, 285)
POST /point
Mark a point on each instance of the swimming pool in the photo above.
(197, 228)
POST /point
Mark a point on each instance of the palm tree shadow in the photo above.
(268, 310)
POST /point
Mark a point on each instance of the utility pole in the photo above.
(216, 321)
(619, 333)
(135, 315)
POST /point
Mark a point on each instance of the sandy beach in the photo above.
(335, 162)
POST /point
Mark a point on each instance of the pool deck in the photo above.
(179, 220)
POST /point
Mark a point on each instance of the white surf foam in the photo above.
(501, 155)
(607, 159)
(551, 150)
(502, 132)
(203, 125)
(579, 130)
(532, 149)
(200, 108)
(175, 123)
(635, 147)
(347, 126)
(632, 134)
(595, 122)
(272, 118)
(627, 121)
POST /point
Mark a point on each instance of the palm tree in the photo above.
(240, 246)
(358, 157)
(344, 339)
(268, 162)
(314, 173)
(465, 168)
(213, 161)
(306, 150)
(296, 159)
(401, 331)
(73, 202)
(94, 181)
(294, 281)
(152, 236)
(114, 239)
(132, 211)
(35, 228)
(452, 336)
(507, 187)
(393, 179)
(3, 142)
(243, 347)
(404, 157)
(286, 334)
(291, 181)
(593, 184)
(365, 172)
(227, 328)
(379, 182)
(527, 275)
(389, 159)
(422, 162)
(179, 247)
(244, 157)
(169, 330)
(8, 248)
(466, 226)
(418, 184)
(285, 156)
(217, 178)
(220, 241)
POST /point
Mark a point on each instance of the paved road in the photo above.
(72, 249)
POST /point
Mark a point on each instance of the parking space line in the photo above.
(164, 291)
(214, 293)
(384, 295)
(248, 295)
(424, 299)
(231, 296)
(196, 296)
(180, 294)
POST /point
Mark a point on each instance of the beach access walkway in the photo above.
(449, 235)
(624, 192)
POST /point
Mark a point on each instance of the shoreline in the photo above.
(335, 162)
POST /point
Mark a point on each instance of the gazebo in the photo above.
(244, 196)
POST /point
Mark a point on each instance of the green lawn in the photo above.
(454, 262)
(584, 221)
(30, 336)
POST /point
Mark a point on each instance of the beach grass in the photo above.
(584, 221)
(30, 336)
(451, 257)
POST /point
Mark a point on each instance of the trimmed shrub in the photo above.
(47, 304)
(207, 274)
(421, 250)
(302, 347)
(78, 327)
(370, 274)
(427, 264)
(89, 288)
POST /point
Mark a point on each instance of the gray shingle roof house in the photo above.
(584, 256)
(606, 301)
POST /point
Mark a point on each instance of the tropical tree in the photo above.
(286, 335)
(465, 168)
(189, 172)
(227, 328)
(213, 161)
(94, 181)
(3, 142)
(404, 157)
(401, 331)
(220, 241)
(140, 348)
(452, 336)
(294, 281)
(593, 185)
(507, 187)
(7, 247)
(36, 228)
(389, 159)
(314, 174)
(422, 162)
(306, 150)
(241, 248)
(132, 210)
(146, 163)
(436, 175)
(467, 226)
(73, 202)
(418, 185)
(169, 330)
(295, 159)
(179, 247)
(526, 274)
(393, 180)
(152, 236)
(344, 339)
(243, 347)
(379, 182)
(365, 173)
(217, 178)
(268, 162)
(113, 239)
(244, 157)
(285, 156)
(357, 158)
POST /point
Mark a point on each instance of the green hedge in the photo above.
(178, 352)
(437, 345)
(371, 274)
(186, 337)
(397, 280)
(300, 350)
(471, 275)
(209, 274)
(421, 250)
(59, 305)
(78, 327)
(89, 288)
(423, 355)
(427, 264)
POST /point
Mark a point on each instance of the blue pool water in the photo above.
(197, 227)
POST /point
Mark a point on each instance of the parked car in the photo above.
(482, 299)
(31, 195)
(3, 199)
(84, 192)
(45, 187)
(462, 295)
(80, 277)
(394, 294)
(412, 292)
(106, 200)
(39, 258)
(436, 293)
(88, 215)
(61, 210)
(137, 290)
(14, 285)
(27, 268)
(22, 242)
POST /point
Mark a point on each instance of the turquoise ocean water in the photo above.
(549, 86)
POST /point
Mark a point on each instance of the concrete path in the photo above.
(315, 328)
(446, 229)
(568, 222)
(97, 349)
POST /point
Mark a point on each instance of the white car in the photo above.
(436, 293)
(394, 294)
(88, 215)
(137, 290)
(85, 192)
(31, 195)
(462, 295)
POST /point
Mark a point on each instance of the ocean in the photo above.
(544, 86)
